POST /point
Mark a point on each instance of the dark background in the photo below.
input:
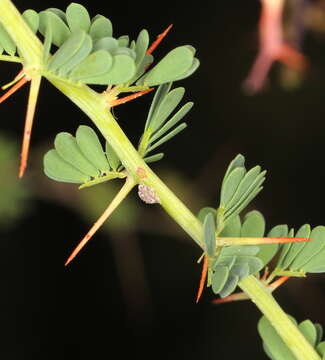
(131, 292)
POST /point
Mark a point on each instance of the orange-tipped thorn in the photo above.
(32, 100)
(230, 298)
(129, 97)
(278, 282)
(203, 277)
(120, 196)
(160, 37)
(14, 88)
(243, 296)
(283, 240)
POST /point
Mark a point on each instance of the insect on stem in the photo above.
(203, 278)
(160, 37)
(120, 196)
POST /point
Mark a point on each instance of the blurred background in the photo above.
(131, 292)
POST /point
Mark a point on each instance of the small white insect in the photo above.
(147, 195)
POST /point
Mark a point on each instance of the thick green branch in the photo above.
(94, 106)
(289, 332)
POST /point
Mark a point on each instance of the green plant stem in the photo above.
(289, 332)
(29, 45)
(94, 106)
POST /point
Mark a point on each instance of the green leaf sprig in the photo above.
(160, 126)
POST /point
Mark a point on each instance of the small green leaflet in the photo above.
(60, 31)
(304, 257)
(209, 229)
(100, 27)
(81, 159)
(176, 64)
(6, 42)
(77, 17)
(158, 128)
(239, 187)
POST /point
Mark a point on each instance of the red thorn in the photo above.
(230, 298)
(203, 278)
(280, 240)
(129, 98)
(14, 88)
(160, 37)
(278, 282)
(265, 275)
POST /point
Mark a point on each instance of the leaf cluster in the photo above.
(81, 159)
(160, 125)
(89, 53)
(276, 349)
(234, 263)
(305, 257)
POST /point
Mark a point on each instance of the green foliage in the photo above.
(275, 347)
(305, 257)
(176, 65)
(158, 124)
(209, 229)
(81, 159)
(239, 187)
(88, 53)
(6, 43)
